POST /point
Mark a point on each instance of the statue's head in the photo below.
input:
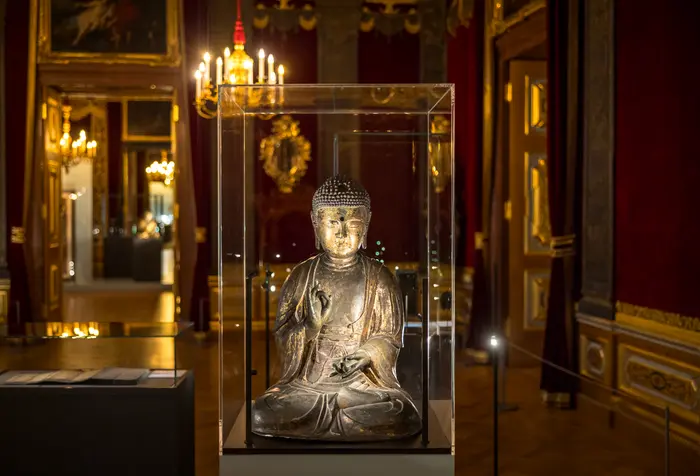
(340, 213)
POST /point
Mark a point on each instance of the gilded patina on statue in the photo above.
(339, 329)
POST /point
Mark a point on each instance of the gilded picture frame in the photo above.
(109, 32)
(147, 119)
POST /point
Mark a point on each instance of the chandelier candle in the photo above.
(219, 65)
(261, 66)
(207, 69)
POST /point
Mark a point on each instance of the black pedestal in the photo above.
(118, 256)
(147, 259)
(146, 429)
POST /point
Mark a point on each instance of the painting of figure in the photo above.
(136, 27)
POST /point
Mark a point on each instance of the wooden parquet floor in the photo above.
(533, 441)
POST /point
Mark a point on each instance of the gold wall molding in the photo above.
(655, 321)
(200, 234)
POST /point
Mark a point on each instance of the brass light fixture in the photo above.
(163, 171)
(74, 151)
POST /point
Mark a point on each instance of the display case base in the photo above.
(143, 429)
(337, 464)
(404, 457)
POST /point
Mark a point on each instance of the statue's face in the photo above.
(341, 230)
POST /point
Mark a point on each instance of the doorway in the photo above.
(521, 172)
(108, 202)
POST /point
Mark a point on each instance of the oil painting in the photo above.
(109, 30)
(146, 120)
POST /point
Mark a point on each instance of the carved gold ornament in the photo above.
(285, 153)
(440, 152)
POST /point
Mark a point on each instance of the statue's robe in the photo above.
(309, 402)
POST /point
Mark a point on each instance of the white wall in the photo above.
(79, 180)
(159, 188)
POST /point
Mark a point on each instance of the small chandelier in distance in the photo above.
(72, 151)
(163, 171)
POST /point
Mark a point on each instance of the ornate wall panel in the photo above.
(595, 357)
(536, 297)
(538, 231)
(659, 380)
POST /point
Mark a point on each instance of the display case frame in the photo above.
(409, 127)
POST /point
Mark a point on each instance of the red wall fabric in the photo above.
(386, 60)
(657, 171)
(16, 57)
(289, 234)
(465, 70)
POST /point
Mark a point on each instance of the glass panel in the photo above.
(277, 145)
(85, 353)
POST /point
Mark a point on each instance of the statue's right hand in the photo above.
(319, 303)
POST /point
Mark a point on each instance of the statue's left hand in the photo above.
(352, 363)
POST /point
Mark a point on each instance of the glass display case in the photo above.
(151, 354)
(99, 396)
(336, 273)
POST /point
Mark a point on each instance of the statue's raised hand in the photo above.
(319, 303)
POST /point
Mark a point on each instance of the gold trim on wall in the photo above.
(657, 322)
(172, 56)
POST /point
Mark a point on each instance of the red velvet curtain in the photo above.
(465, 69)
(562, 87)
(16, 64)
(195, 35)
(657, 170)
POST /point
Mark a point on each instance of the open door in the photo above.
(527, 208)
(52, 230)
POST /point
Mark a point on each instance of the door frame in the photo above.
(112, 81)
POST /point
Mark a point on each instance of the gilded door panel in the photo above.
(529, 228)
(51, 207)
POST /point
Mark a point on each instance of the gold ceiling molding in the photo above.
(284, 16)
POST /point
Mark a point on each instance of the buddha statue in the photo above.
(339, 329)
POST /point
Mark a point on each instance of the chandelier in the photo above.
(163, 171)
(237, 68)
(75, 151)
